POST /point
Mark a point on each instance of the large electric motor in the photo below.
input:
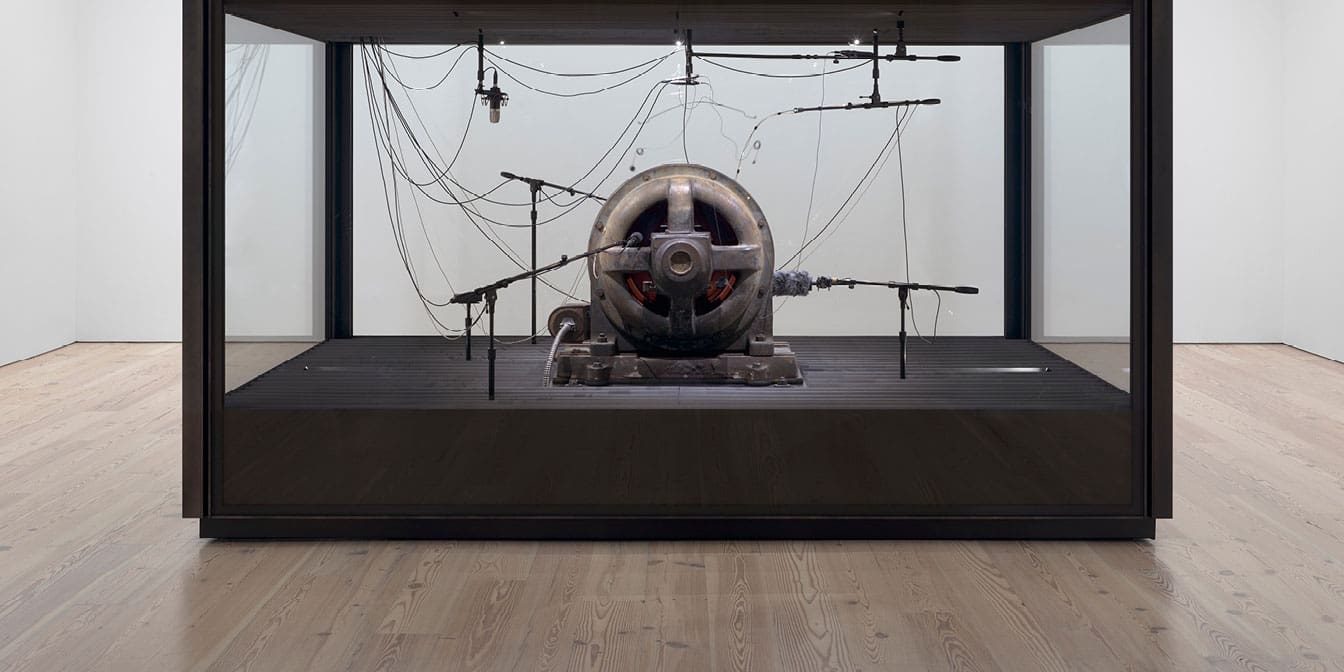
(691, 301)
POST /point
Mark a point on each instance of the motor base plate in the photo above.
(579, 364)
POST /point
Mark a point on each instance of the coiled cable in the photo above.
(565, 325)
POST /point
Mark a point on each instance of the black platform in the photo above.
(398, 431)
(839, 372)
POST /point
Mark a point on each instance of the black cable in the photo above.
(816, 165)
(848, 198)
(685, 113)
(424, 56)
(385, 141)
(707, 99)
(446, 172)
(581, 74)
(424, 230)
(652, 95)
(903, 122)
(472, 214)
(617, 85)
(823, 73)
(938, 313)
(392, 69)
(442, 174)
(746, 146)
(905, 223)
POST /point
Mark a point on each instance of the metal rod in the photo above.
(532, 181)
(877, 72)
(468, 332)
(490, 308)
(480, 62)
(824, 282)
(837, 56)
(869, 106)
(484, 293)
(535, 189)
(690, 53)
(904, 297)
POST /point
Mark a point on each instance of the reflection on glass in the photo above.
(273, 198)
(1081, 225)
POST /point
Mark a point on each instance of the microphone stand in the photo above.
(903, 290)
(535, 185)
(489, 293)
(881, 104)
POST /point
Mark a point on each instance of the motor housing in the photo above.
(698, 285)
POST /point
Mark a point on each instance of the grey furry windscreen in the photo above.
(792, 283)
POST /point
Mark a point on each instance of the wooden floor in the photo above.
(98, 572)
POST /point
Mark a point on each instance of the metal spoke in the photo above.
(629, 260)
(680, 206)
(737, 257)
(681, 316)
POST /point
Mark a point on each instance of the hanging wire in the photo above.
(578, 94)
(823, 73)
(636, 66)
(816, 163)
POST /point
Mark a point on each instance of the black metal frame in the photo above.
(674, 527)
(1151, 246)
(340, 186)
(202, 246)
(1151, 305)
(1017, 190)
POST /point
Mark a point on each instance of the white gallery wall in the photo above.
(39, 219)
(129, 171)
(1313, 176)
(90, 174)
(1229, 170)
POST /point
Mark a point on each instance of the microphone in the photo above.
(792, 283)
(509, 176)
(966, 290)
(492, 98)
(634, 239)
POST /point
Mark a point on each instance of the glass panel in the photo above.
(684, 381)
(1081, 228)
(848, 212)
(273, 254)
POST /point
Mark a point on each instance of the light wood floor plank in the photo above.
(99, 572)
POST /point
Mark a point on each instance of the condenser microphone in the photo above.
(634, 239)
(966, 290)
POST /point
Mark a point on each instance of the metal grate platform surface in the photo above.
(840, 372)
